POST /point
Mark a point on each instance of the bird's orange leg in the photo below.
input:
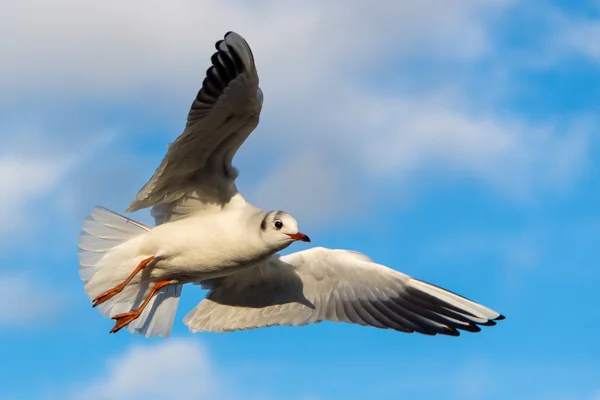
(117, 289)
(126, 318)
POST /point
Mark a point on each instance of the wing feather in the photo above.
(197, 170)
(335, 285)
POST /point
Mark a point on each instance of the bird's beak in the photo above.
(299, 236)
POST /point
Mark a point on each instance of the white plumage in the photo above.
(335, 285)
(207, 233)
(108, 252)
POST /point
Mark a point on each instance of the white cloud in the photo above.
(585, 38)
(308, 187)
(364, 138)
(516, 156)
(24, 302)
(23, 179)
(579, 34)
(173, 369)
(156, 41)
(333, 132)
(32, 166)
(567, 32)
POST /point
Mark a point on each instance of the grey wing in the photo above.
(335, 285)
(197, 170)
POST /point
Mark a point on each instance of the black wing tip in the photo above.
(446, 332)
(225, 66)
(453, 333)
(472, 328)
(225, 37)
(491, 322)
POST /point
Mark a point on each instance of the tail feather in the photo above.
(157, 318)
(106, 224)
(108, 252)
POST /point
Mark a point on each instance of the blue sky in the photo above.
(457, 141)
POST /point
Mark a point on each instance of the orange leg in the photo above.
(117, 289)
(126, 318)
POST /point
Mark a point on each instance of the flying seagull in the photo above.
(207, 234)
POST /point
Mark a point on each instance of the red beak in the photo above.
(299, 236)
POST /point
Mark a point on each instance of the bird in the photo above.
(207, 234)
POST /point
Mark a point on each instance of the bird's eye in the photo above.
(278, 224)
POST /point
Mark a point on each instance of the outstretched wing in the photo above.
(197, 170)
(336, 285)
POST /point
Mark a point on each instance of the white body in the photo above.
(206, 245)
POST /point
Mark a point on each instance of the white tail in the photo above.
(108, 252)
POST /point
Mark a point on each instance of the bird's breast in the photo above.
(203, 249)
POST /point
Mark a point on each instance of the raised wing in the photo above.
(336, 285)
(197, 170)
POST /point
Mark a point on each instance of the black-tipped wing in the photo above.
(197, 171)
(336, 285)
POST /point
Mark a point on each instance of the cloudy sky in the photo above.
(457, 141)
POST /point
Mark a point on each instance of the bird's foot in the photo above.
(107, 295)
(122, 320)
(119, 288)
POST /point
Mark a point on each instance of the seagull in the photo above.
(207, 234)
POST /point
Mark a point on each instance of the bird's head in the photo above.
(280, 229)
